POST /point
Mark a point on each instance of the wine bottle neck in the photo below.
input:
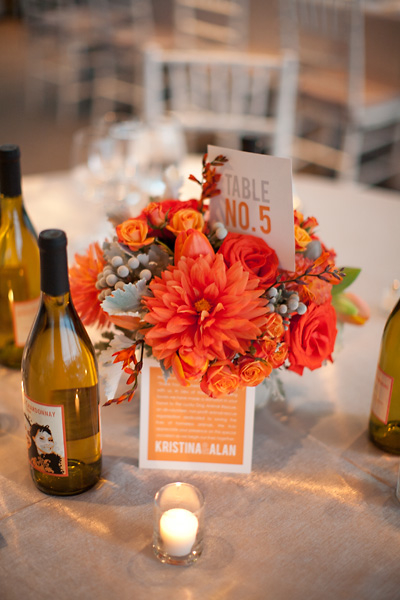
(10, 206)
(10, 178)
(54, 272)
(13, 217)
(56, 303)
(61, 312)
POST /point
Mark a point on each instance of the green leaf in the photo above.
(351, 275)
(127, 300)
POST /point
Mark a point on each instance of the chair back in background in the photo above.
(344, 113)
(327, 36)
(224, 92)
(205, 23)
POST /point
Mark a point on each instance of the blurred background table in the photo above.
(316, 518)
(64, 73)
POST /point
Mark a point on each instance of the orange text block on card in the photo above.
(186, 425)
(183, 428)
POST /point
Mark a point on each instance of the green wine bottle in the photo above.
(384, 424)
(19, 262)
(60, 383)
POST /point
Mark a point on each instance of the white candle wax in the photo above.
(178, 529)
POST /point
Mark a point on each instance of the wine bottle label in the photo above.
(45, 434)
(23, 314)
(382, 395)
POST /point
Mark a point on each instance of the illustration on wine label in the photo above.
(45, 434)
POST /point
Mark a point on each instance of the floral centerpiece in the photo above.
(212, 306)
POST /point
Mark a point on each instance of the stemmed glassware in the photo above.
(125, 160)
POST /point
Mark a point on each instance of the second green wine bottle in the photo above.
(384, 424)
(60, 384)
(19, 262)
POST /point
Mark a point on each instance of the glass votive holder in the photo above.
(178, 523)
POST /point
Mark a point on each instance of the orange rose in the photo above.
(278, 357)
(188, 366)
(274, 326)
(311, 337)
(255, 256)
(185, 219)
(221, 379)
(271, 351)
(133, 233)
(253, 371)
(310, 224)
(302, 238)
(298, 217)
(155, 213)
(264, 347)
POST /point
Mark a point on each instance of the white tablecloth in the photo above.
(317, 517)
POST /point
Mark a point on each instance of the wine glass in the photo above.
(92, 161)
(166, 147)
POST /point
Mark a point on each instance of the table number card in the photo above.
(256, 199)
(183, 428)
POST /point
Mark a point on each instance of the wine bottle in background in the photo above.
(384, 424)
(19, 262)
(60, 383)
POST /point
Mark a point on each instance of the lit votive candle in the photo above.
(178, 523)
(178, 529)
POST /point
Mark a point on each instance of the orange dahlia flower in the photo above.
(83, 277)
(202, 306)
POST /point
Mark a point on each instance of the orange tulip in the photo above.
(351, 309)
(192, 243)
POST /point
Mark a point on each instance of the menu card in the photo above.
(183, 428)
(256, 199)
